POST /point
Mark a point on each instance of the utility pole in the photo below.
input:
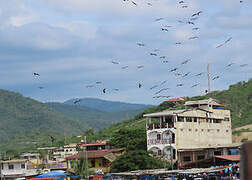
(208, 76)
(86, 155)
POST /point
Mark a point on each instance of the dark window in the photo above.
(11, 166)
(174, 153)
(226, 130)
(200, 157)
(196, 130)
(217, 153)
(93, 163)
(2, 166)
(158, 136)
(181, 129)
(159, 152)
(218, 130)
(216, 121)
(22, 166)
(104, 163)
(194, 119)
(208, 130)
(190, 129)
(187, 158)
(202, 130)
(226, 119)
(188, 119)
(180, 119)
(173, 138)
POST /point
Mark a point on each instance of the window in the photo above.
(202, 130)
(226, 130)
(196, 130)
(188, 119)
(200, 157)
(159, 152)
(226, 119)
(217, 153)
(11, 166)
(104, 163)
(92, 163)
(22, 166)
(218, 130)
(181, 129)
(174, 153)
(187, 158)
(208, 130)
(190, 129)
(158, 136)
(180, 119)
(194, 119)
(216, 121)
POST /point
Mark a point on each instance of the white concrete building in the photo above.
(15, 169)
(61, 153)
(202, 124)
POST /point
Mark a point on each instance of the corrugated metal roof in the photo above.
(209, 147)
(164, 113)
(230, 157)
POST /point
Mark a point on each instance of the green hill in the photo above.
(96, 119)
(28, 121)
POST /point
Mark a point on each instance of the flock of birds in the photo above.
(160, 90)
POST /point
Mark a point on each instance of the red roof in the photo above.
(94, 144)
(175, 99)
(95, 154)
(229, 157)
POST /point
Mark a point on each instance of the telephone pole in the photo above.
(208, 76)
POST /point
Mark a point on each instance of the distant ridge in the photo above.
(107, 106)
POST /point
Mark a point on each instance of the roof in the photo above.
(29, 154)
(175, 99)
(205, 101)
(229, 157)
(164, 113)
(95, 154)
(191, 148)
(94, 144)
(15, 161)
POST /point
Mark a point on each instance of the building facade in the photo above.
(202, 124)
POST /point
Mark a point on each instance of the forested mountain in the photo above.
(21, 117)
(107, 106)
(96, 119)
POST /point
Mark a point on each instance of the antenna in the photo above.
(208, 75)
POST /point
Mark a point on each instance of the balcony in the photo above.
(161, 141)
(160, 126)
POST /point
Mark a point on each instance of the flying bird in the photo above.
(40, 87)
(164, 29)
(197, 14)
(178, 43)
(36, 74)
(185, 6)
(162, 57)
(229, 39)
(77, 101)
(165, 61)
(161, 96)
(174, 69)
(159, 19)
(181, 2)
(168, 26)
(199, 74)
(190, 22)
(179, 85)
(216, 77)
(243, 65)
(186, 74)
(90, 86)
(124, 67)
(161, 90)
(149, 4)
(186, 61)
(140, 66)
(229, 64)
(134, 3)
(180, 21)
(52, 139)
(104, 90)
(193, 37)
(153, 54)
(196, 28)
(194, 18)
(116, 89)
(194, 85)
(163, 82)
(139, 85)
(178, 74)
(156, 50)
(140, 44)
(114, 62)
(98, 82)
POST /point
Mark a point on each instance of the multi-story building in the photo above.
(59, 154)
(199, 131)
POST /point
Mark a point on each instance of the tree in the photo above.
(134, 160)
(81, 167)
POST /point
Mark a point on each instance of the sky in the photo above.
(72, 45)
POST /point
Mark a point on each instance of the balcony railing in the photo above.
(161, 141)
(160, 126)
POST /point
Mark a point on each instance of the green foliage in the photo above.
(135, 160)
(238, 132)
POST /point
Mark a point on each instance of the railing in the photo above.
(161, 141)
(160, 126)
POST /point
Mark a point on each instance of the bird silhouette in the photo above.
(243, 65)
(77, 101)
(153, 54)
(149, 4)
(185, 6)
(36, 74)
(199, 74)
(140, 44)
(114, 62)
(104, 90)
(164, 29)
(196, 28)
(40, 87)
(162, 57)
(174, 69)
(193, 37)
(165, 61)
(52, 139)
(159, 19)
(179, 85)
(124, 67)
(181, 2)
(194, 85)
(134, 3)
(140, 66)
(153, 87)
(186, 74)
(190, 22)
(216, 77)
(186, 61)
(139, 85)
(230, 64)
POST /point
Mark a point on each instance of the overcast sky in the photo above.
(72, 43)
